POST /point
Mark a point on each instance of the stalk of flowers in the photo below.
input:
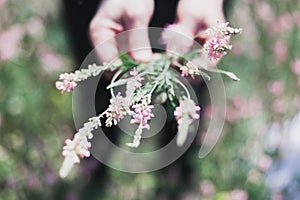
(141, 115)
(116, 111)
(185, 114)
(217, 44)
(79, 146)
(68, 81)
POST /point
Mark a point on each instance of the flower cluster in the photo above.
(78, 147)
(218, 43)
(116, 110)
(141, 115)
(185, 114)
(136, 100)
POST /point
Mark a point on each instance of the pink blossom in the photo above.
(285, 22)
(296, 17)
(116, 110)
(276, 87)
(142, 114)
(217, 44)
(66, 85)
(243, 108)
(10, 42)
(264, 11)
(279, 106)
(207, 188)
(280, 51)
(297, 101)
(79, 146)
(295, 66)
(34, 27)
(50, 61)
(185, 114)
(264, 163)
(277, 196)
(2, 3)
(187, 108)
(238, 194)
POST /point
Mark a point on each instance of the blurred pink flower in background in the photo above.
(34, 27)
(50, 61)
(10, 40)
(264, 163)
(280, 105)
(238, 194)
(243, 108)
(297, 101)
(295, 66)
(296, 17)
(207, 189)
(277, 196)
(2, 2)
(264, 11)
(280, 51)
(276, 87)
(285, 21)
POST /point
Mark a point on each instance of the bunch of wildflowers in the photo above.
(142, 82)
(218, 40)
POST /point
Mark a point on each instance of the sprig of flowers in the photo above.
(78, 147)
(68, 81)
(142, 82)
(185, 114)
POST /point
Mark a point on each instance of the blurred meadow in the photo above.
(257, 157)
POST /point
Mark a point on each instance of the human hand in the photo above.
(115, 16)
(194, 16)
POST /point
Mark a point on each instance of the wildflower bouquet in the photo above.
(143, 82)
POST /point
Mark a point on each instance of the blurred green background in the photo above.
(257, 157)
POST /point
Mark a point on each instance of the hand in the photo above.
(115, 16)
(194, 16)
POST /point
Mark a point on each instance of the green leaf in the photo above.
(128, 63)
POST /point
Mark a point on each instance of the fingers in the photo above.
(137, 21)
(102, 34)
(196, 16)
(116, 16)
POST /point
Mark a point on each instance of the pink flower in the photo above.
(187, 108)
(217, 44)
(280, 51)
(79, 146)
(142, 114)
(116, 110)
(11, 38)
(280, 106)
(65, 85)
(238, 194)
(295, 66)
(185, 114)
(276, 87)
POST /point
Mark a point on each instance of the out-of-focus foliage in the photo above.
(35, 119)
